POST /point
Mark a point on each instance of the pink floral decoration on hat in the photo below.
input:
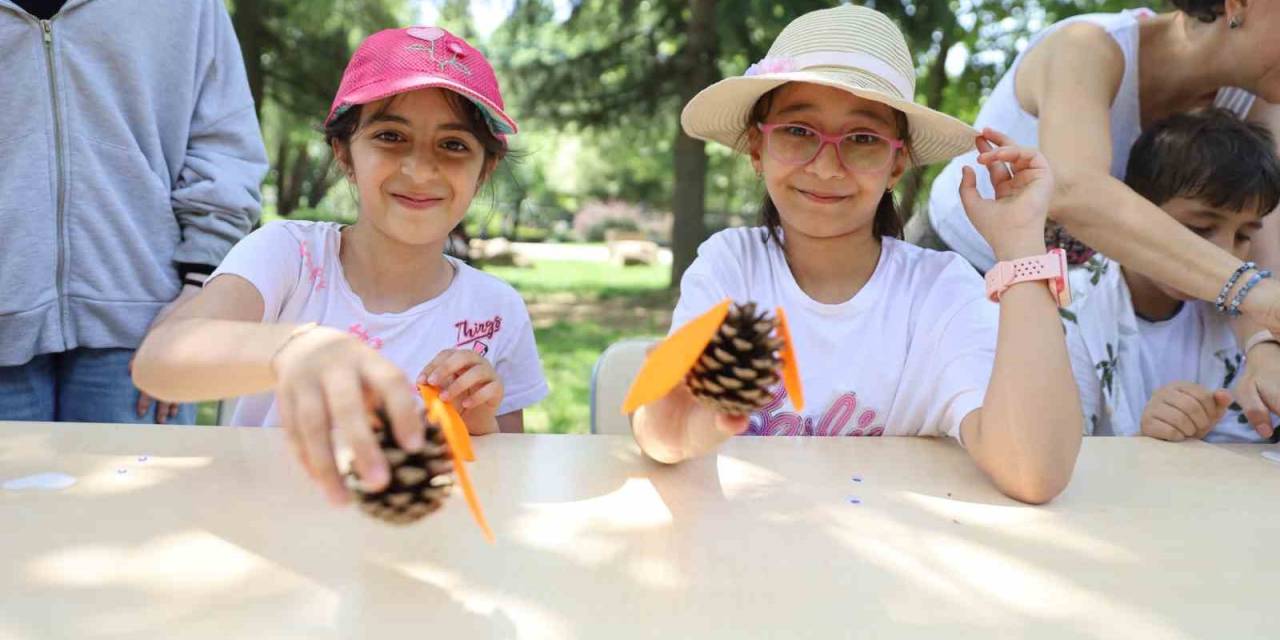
(771, 65)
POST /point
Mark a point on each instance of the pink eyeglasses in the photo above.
(860, 151)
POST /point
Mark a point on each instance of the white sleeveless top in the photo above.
(1003, 112)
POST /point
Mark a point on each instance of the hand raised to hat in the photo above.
(1012, 223)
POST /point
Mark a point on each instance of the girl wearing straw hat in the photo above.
(1083, 91)
(891, 339)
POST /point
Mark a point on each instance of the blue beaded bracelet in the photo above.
(1234, 309)
(1221, 302)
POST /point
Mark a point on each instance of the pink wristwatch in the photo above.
(1051, 266)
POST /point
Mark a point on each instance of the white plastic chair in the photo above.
(610, 380)
(226, 409)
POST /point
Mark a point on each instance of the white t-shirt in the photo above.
(909, 354)
(1170, 348)
(1003, 112)
(1120, 360)
(295, 266)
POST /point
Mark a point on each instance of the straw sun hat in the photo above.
(852, 48)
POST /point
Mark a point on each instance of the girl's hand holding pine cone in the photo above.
(330, 384)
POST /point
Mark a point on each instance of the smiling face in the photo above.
(826, 197)
(417, 161)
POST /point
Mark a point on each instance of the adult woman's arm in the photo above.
(1070, 85)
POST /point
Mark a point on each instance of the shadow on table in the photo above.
(654, 543)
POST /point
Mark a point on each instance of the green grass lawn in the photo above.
(207, 413)
(597, 280)
(578, 309)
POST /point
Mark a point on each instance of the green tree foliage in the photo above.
(619, 71)
(295, 52)
(599, 94)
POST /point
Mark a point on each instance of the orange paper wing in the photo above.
(460, 432)
(454, 427)
(672, 359)
(790, 366)
(459, 440)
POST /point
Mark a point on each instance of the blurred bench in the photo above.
(628, 248)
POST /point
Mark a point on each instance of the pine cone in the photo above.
(734, 373)
(419, 481)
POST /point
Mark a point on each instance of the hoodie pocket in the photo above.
(28, 245)
(121, 226)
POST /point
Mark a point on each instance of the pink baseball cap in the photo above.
(396, 61)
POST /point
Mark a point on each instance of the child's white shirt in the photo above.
(1171, 348)
(910, 354)
(1118, 363)
(295, 266)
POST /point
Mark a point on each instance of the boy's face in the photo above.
(1229, 229)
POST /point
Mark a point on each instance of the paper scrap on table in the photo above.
(1273, 456)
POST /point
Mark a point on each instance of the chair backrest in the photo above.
(226, 409)
(610, 380)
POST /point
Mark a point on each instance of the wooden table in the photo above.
(189, 532)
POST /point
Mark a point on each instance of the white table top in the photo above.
(217, 534)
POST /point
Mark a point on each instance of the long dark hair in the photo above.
(888, 221)
(1202, 10)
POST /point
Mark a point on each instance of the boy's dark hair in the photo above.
(888, 222)
(1202, 10)
(342, 128)
(1208, 155)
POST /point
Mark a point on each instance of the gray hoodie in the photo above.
(128, 144)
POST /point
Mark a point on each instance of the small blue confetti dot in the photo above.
(857, 478)
(122, 471)
(143, 458)
(855, 501)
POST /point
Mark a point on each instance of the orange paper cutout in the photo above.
(672, 359)
(455, 427)
(459, 440)
(790, 366)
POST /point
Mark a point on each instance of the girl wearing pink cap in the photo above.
(319, 323)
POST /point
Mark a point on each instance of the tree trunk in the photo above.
(320, 183)
(249, 20)
(689, 201)
(292, 183)
(515, 216)
(281, 170)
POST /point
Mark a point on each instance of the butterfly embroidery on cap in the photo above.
(433, 35)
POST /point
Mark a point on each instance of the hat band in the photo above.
(859, 61)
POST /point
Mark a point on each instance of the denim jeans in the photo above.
(81, 385)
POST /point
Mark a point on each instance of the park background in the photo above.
(597, 87)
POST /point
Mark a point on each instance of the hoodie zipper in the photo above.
(47, 27)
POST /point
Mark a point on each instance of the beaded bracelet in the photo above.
(1234, 309)
(1221, 302)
